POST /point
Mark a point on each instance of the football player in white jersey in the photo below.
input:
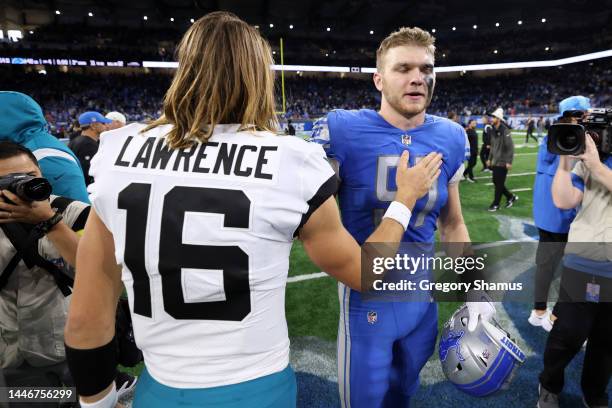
(196, 214)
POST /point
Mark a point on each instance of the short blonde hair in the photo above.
(405, 36)
(224, 76)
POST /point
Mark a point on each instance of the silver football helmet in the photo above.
(481, 362)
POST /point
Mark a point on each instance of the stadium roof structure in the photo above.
(366, 19)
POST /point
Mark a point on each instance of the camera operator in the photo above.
(584, 310)
(553, 223)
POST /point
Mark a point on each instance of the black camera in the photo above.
(26, 187)
(570, 139)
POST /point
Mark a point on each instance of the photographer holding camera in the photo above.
(584, 309)
(37, 243)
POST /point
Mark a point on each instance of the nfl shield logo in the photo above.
(372, 317)
(406, 139)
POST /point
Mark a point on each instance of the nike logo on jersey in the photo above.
(209, 158)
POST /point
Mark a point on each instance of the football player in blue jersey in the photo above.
(382, 346)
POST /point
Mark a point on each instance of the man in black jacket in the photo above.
(485, 149)
(473, 141)
(500, 159)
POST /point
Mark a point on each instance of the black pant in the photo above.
(529, 134)
(577, 322)
(469, 171)
(548, 257)
(499, 180)
(484, 155)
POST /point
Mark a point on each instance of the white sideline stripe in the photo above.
(318, 275)
(531, 173)
(300, 278)
(526, 154)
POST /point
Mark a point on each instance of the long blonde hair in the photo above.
(224, 76)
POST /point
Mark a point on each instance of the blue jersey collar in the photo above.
(377, 117)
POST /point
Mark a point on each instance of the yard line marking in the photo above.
(309, 276)
(531, 173)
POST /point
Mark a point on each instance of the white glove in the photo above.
(482, 308)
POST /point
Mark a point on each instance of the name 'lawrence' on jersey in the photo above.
(367, 149)
(203, 235)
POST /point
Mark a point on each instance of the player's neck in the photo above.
(400, 121)
(91, 134)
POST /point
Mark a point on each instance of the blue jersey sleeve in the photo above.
(459, 153)
(328, 132)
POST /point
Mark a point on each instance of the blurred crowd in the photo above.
(64, 96)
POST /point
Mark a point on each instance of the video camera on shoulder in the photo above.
(26, 187)
(570, 139)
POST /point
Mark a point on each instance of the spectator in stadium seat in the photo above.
(118, 120)
(85, 146)
(22, 121)
(500, 159)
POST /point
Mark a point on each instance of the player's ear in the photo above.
(377, 81)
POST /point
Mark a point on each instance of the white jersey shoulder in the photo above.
(203, 235)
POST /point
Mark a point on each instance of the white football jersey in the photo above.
(203, 235)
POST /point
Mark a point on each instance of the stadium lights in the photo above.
(443, 55)
(271, 25)
(454, 28)
(480, 67)
(494, 51)
(31, 32)
(145, 18)
(326, 54)
(543, 20)
(474, 26)
(520, 22)
(172, 19)
(547, 49)
(433, 30)
(328, 29)
(192, 21)
(57, 12)
(371, 32)
(90, 14)
(291, 26)
(273, 52)
(496, 24)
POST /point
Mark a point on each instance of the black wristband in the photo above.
(92, 369)
(42, 228)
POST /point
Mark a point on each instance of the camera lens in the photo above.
(36, 189)
(568, 142)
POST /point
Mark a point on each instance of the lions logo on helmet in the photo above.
(484, 361)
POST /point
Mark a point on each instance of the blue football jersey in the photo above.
(367, 149)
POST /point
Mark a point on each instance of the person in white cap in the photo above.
(500, 159)
(118, 120)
